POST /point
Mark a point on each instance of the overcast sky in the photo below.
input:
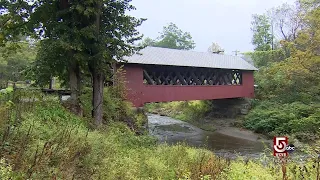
(226, 22)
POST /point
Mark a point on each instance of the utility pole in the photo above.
(236, 52)
(272, 35)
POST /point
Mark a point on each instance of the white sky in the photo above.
(226, 22)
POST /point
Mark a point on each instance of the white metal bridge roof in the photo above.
(174, 57)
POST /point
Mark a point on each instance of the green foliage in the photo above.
(148, 42)
(78, 38)
(171, 37)
(115, 109)
(113, 105)
(290, 80)
(13, 20)
(14, 63)
(57, 116)
(5, 170)
(241, 170)
(289, 89)
(297, 77)
(307, 127)
(265, 58)
(50, 62)
(48, 140)
(272, 169)
(262, 37)
(283, 119)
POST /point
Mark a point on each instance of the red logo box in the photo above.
(279, 146)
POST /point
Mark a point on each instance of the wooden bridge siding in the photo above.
(139, 93)
(134, 84)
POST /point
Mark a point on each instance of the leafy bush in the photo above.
(5, 170)
(270, 169)
(111, 104)
(264, 58)
(279, 119)
(240, 169)
(287, 82)
(115, 109)
(115, 106)
(307, 127)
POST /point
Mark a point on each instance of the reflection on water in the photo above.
(173, 131)
(218, 141)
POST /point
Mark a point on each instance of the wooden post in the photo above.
(318, 167)
(284, 168)
(51, 82)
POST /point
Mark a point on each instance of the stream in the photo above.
(222, 142)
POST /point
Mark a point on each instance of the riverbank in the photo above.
(229, 143)
(197, 113)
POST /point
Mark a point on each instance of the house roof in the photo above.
(174, 57)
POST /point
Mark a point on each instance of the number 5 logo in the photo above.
(279, 146)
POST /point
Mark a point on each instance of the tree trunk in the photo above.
(74, 81)
(97, 75)
(98, 80)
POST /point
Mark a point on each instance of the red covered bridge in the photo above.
(161, 75)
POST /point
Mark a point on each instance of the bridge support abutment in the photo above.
(230, 108)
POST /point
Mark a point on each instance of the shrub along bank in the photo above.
(296, 119)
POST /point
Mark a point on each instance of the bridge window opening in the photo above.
(186, 76)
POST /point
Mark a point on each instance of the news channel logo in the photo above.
(281, 147)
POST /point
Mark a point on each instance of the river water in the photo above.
(173, 131)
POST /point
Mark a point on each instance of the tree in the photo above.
(14, 17)
(171, 37)
(14, 63)
(147, 42)
(80, 36)
(262, 36)
(62, 51)
(50, 62)
(114, 33)
(287, 21)
(265, 58)
(216, 49)
(97, 33)
(297, 77)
